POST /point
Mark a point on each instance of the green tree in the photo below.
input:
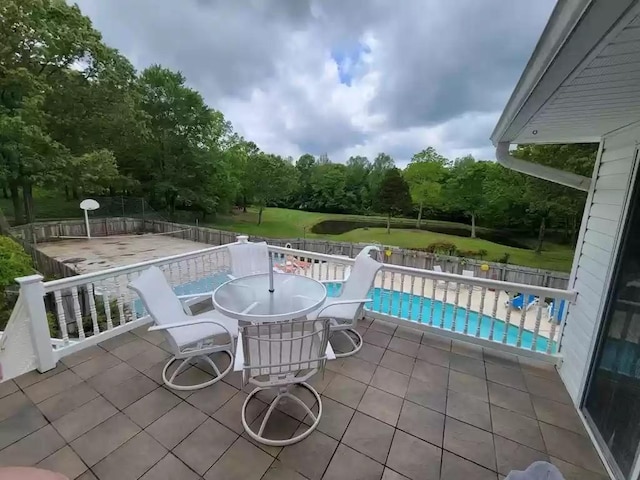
(424, 175)
(381, 164)
(184, 152)
(546, 200)
(356, 184)
(305, 167)
(465, 188)
(268, 179)
(393, 195)
(39, 39)
(329, 183)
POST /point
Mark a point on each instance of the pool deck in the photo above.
(88, 256)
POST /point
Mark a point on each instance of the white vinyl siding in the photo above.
(596, 253)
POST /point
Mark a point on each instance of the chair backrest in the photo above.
(293, 351)
(249, 258)
(158, 297)
(361, 278)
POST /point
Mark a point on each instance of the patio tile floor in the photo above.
(455, 411)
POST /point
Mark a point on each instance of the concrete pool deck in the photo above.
(93, 255)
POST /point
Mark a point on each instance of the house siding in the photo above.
(595, 254)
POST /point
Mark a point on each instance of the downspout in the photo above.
(551, 174)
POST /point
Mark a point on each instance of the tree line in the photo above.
(76, 117)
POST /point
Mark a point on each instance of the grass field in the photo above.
(285, 223)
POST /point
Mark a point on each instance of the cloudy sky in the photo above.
(342, 77)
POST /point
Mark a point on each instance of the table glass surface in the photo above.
(248, 298)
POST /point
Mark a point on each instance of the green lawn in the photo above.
(556, 257)
(284, 223)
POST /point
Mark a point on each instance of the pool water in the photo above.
(389, 302)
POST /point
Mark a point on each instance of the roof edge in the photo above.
(563, 19)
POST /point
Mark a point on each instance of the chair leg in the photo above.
(284, 393)
(357, 344)
(170, 382)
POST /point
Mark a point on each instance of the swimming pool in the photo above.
(389, 302)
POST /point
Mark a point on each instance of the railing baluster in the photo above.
(523, 318)
(92, 309)
(554, 322)
(468, 310)
(432, 301)
(391, 291)
(106, 303)
(413, 281)
(132, 305)
(421, 307)
(62, 321)
(494, 312)
(456, 301)
(120, 303)
(401, 295)
(383, 290)
(536, 329)
(483, 294)
(444, 304)
(77, 313)
(507, 324)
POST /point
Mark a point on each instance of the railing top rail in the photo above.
(112, 272)
(569, 295)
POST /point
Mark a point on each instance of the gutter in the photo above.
(551, 174)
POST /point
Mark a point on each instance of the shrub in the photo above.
(444, 248)
(504, 258)
(14, 262)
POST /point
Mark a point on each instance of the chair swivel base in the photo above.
(283, 393)
(186, 362)
(356, 344)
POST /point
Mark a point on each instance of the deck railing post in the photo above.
(32, 292)
(242, 238)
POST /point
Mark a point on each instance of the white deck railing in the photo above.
(67, 315)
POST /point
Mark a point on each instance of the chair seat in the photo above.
(195, 333)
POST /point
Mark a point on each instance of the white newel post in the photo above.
(242, 238)
(32, 292)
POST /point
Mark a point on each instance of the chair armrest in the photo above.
(324, 282)
(343, 302)
(188, 323)
(194, 295)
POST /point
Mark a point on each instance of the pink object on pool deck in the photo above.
(29, 473)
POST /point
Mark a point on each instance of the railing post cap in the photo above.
(29, 279)
(243, 238)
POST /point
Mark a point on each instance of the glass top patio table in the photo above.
(249, 299)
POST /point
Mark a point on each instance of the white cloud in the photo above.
(428, 73)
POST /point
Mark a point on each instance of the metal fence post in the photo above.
(32, 292)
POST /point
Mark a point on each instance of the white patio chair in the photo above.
(248, 258)
(190, 336)
(280, 356)
(441, 283)
(470, 274)
(344, 310)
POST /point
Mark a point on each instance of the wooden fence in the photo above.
(49, 231)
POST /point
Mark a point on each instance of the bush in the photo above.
(14, 262)
(443, 248)
(504, 258)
